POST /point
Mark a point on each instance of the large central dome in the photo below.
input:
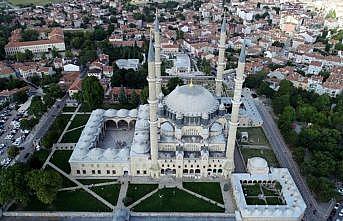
(191, 100)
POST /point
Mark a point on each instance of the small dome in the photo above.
(80, 153)
(191, 100)
(122, 113)
(133, 113)
(98, 112)
(258, 162)
(83, 144)
(95, 153)
(110, 113)
(142, 124)
(110, 153)
(123, 154)
(221, 106)
(216, 127)
(167, 127)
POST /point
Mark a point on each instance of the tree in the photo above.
(144, 95)
(92, 92)
(306, 113)
(37, 108)
(52, 92)
(286, 88)
(54, 52)
(29, 35)
(20, 96)
(134, 98)
(264, 88)
(68, 54)
(323, 103)
(173, 82)
(12, 152)
(45, 184)
(13, 185)
(279, 103)
(122, 98)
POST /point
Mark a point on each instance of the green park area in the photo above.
(29, 2)
(60, 159)
(72, 200)
(175, 200)
(69, 109)
(109, 193)
(55, 130)
(79, 120)
(267, 154)
(72, 136)
(263, 194)
(210, 190)
(137, 191)
(256, 136)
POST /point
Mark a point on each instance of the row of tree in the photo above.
(19, 183)
(317, 144)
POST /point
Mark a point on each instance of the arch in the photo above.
(122, 123)
(111, 124)
(185, 171)
(162, 171)
(191, 171)
(214, 171)
(197, 171)
(132, 123)
(220, 170)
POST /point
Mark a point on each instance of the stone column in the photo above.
(152, 100)
(157, 57)
(234, 121)
(221, 60)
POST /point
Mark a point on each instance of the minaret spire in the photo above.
(152, 110)
(157, 55)
(221, 59)
(234, 121)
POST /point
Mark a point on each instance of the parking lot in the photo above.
(337, 213)
(10, 132)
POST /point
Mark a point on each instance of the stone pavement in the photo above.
(89, 185)
(227, 197)
(122, 193)
(143, 198)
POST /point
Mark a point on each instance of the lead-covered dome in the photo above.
(191, 101)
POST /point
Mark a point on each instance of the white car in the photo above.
(9, 137)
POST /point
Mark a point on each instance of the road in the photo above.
(41, 128)
(285, 159)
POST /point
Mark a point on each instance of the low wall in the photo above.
(57, 214)
(64, 146)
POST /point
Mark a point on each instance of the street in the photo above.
(285, 159)
(40, 129)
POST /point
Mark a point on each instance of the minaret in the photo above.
(152, 100)
(236, 101)
(221, 59)
(157, 56)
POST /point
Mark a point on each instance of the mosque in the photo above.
(186, 133)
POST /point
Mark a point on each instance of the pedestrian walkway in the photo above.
(227, 197)
(48, 158)
(203, 197)
(85, 188)
(89, 186)
(75, 128)
(67, 126)
(122, 193)
(143, 198)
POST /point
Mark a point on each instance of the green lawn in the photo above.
(264, 153)
(79, 120)
(72, 136)
(94, 181)
(263, 194)
(206, 189)
(137, 191)
(69, 109)
(60, 159)
(55, 130)
(256, 135)
(75, 200)
(38, 158)
(34, 2)
(109, 192)
(175, 200)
